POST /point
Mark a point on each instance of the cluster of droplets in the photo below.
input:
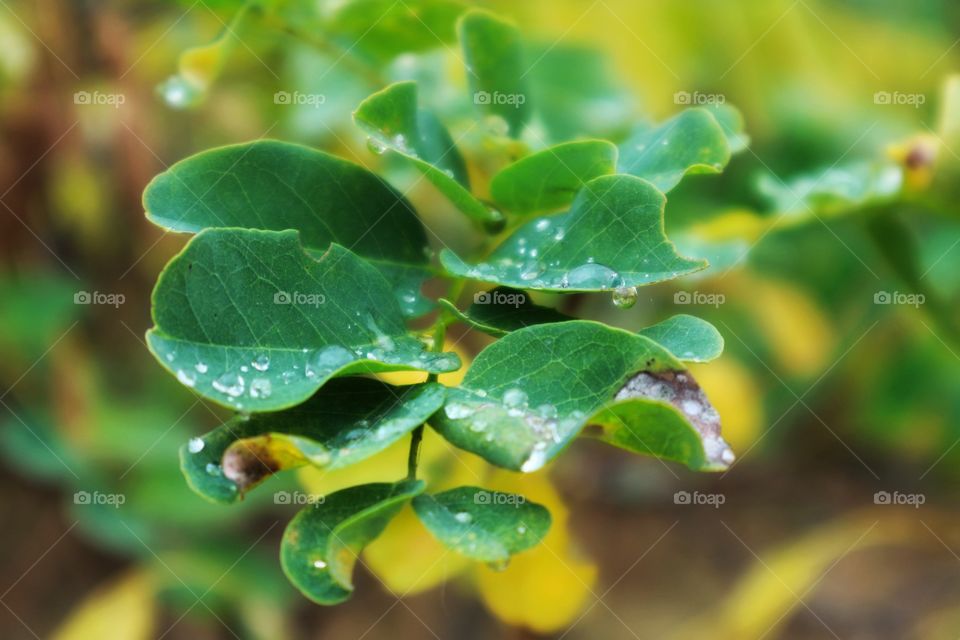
(542, 422)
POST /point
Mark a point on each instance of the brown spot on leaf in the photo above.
(248, 464)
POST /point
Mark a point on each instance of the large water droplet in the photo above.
(376, 147)
(625, 297)
(262, 362)
(514, 398)
(230, 383)
(195, 445)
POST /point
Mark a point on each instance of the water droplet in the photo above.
(195, 445)
(230, 383)
(214, 469)
(543, 225)
(592, 275)
(514, 398)
(319, 564)
(521, 529)
(186, 378)
(262, 362)
(463, 517)
(625, 297)
(201, 367)
(536, 460)
(260, 388)
(457, 411)
(376, 147)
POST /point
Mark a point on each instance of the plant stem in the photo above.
(439, 333)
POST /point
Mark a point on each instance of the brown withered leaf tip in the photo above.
(247, 465)
(679, 389)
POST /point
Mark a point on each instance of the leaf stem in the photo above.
(439, 334)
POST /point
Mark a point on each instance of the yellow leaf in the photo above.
(547, 587)
(122, 609)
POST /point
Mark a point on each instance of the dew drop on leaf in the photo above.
(625, 297)
(195, 445)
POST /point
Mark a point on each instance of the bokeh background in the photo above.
(829, 392)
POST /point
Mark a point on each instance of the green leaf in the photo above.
(493, 53)
(613, 237)
(502, 310)
(690, 142)
(585, 97)
(384, 29)
(834, 191)
(688, 338)
(549, 179)
(348, 420)
(488, 526)
(249, 320)
(530, 393)
(275, 186)
(321, 544)
(393, 121)
(731, 121)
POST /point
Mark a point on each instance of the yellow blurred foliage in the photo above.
(123, 608)
(792, 325)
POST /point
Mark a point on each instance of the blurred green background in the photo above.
(828, 393)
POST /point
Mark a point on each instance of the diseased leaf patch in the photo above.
(348, 420)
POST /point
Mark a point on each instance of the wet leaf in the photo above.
(321, 544)
(550, 179)
(250, 321)
(688, 338)
(348, 420)
(528, 395)
(394, 122)
(483, 525)
(502, 310)
(690, 142)
(275, 186)
(496, 69)
(613, 237)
